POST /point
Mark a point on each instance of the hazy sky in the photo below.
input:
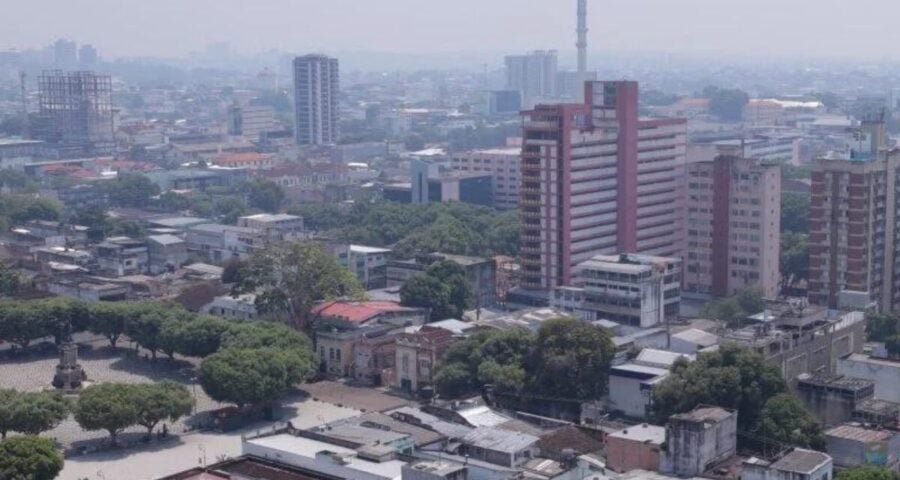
(840, 28)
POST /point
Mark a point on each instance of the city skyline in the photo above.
(740, 27)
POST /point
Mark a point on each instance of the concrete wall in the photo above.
(625, 455)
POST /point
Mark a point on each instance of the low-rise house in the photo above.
(328, 459)
(241, 307)
(65, 255)
(883, 372)
(692, 341)
(277, 227)
(797, 464)
(635, 448)
(854, 445)
(250, 160)
(698, 440)
(121, 256)
(630, 387)
(499, 447)
(219, 243)
(804, 339)
(341, 325)
(417, 355)
(833, 398)
(879, 412)
(165, 253)
(368, 263)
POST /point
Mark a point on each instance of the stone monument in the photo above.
(69, 374)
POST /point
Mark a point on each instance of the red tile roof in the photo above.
(357, 312)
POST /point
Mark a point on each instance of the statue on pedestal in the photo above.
(69, 374)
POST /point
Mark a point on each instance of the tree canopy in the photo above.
(794, 213)
(733, 310)
(566, 358)
(727, 104)
(254, 376)
(736, 378)
(867, 472)
(794, 258)
(443, 288)
(290, 278)
(29, 458)
(414, 229)
(107, 406)
(31, 413)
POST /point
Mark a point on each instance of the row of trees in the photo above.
(738, 378)
(152, 325)
(114, 407)
(565, 359)
(412, 229)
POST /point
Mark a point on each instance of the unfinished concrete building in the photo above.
(75, 113)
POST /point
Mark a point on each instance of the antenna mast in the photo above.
(582, 38)
(25, 130)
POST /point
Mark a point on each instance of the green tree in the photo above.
(244, 335)
(794, 213)
(8, 398)
(572, 359)
(794, 258)
(426, 291)
(156, 402)
(867, 472)
(785, 420)
(750, 300)
(453, 380)
(109, 319)
(892, 345)
(731, 377)
(290, 278)
(10, 280)
(200, 336)
(130, 190)
(107, 406)
(21, 325)
(29, 458)
(727, 104)
(507, 378)
(881, 326)
(483, 357)
(36, 412)
(253, 376)
(264, 194)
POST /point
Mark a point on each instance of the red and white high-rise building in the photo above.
(597, 179)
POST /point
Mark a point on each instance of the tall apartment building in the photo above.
(596, 179)
(534, 75)
(733, 220)
(75, 113)
(853, 217)
(503, 166)
(316, 100)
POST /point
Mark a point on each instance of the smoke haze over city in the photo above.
(771, 28)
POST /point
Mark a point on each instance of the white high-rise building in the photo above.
(533, 75)
(316, 97)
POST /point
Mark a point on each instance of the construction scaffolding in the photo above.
(75, 112)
